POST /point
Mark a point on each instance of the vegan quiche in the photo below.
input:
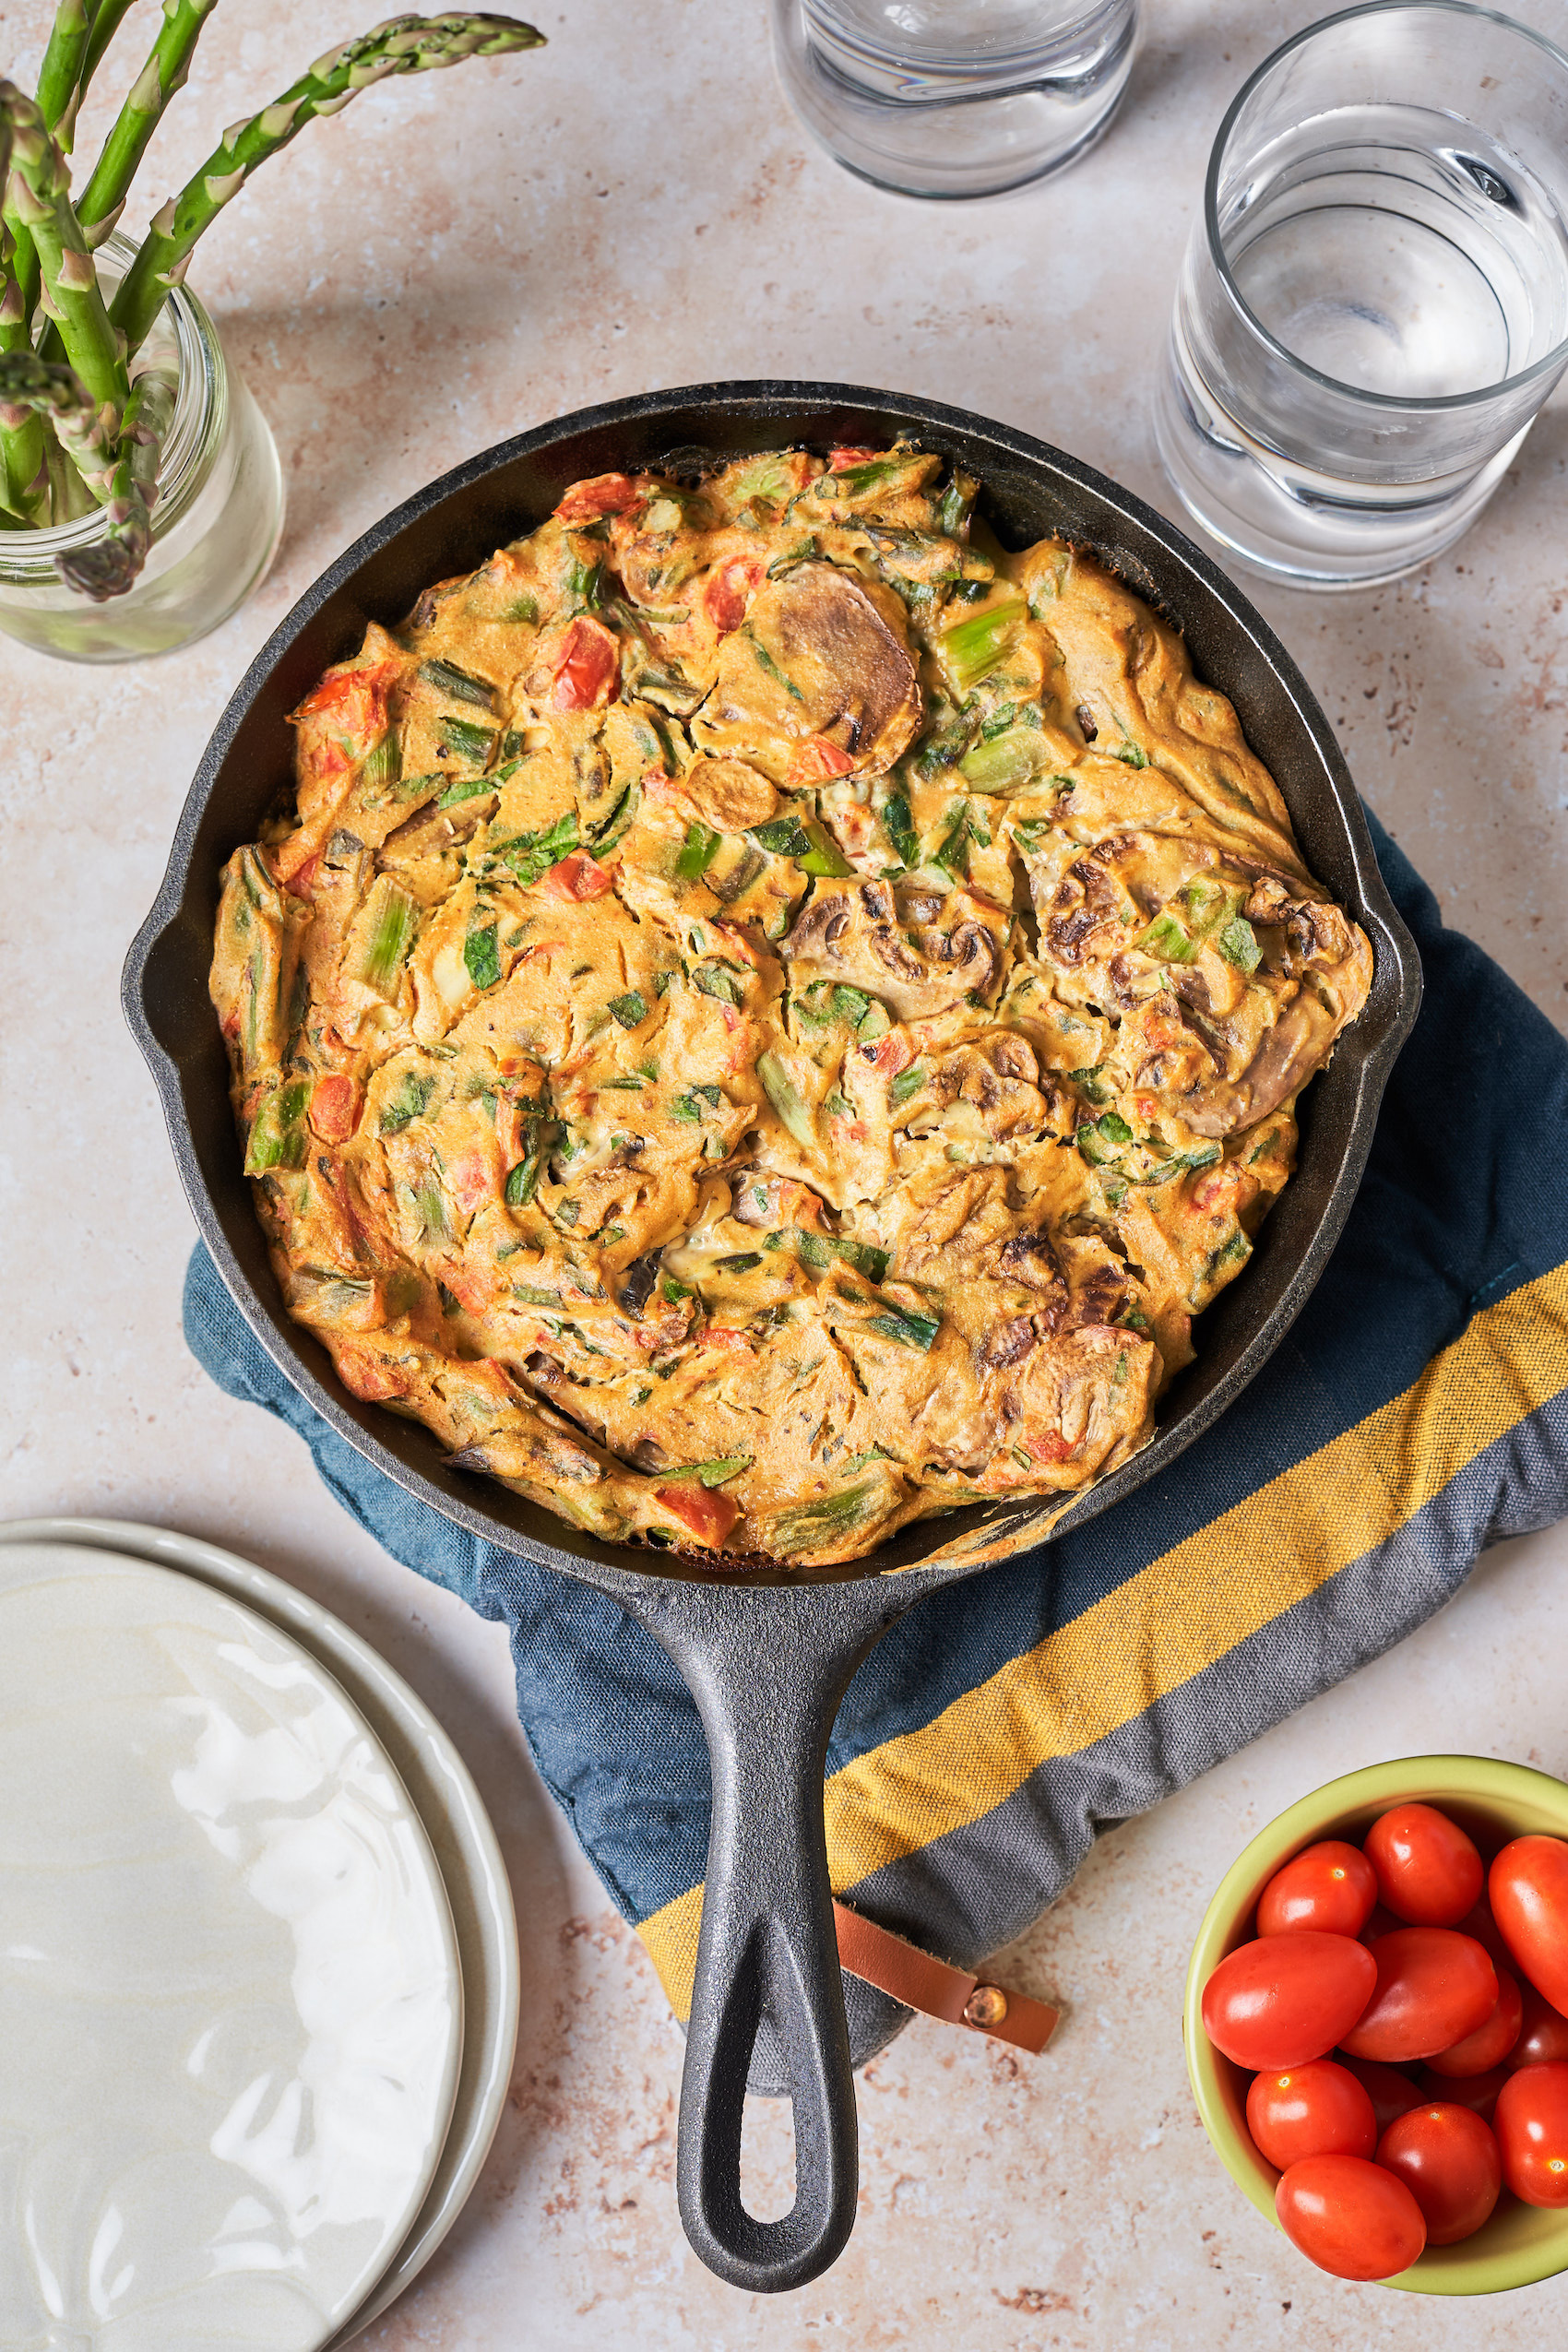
(767, 1016)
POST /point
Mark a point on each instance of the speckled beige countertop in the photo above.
(457, 259)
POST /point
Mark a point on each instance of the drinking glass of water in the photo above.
(955, 98)
(1374, 303)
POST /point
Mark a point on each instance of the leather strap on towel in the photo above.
(878, 1958)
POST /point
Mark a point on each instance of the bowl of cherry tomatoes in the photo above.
(1376, 2024)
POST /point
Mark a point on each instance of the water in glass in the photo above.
(1374, 304)
(955, 98)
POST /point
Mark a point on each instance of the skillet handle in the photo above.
(767, 1668)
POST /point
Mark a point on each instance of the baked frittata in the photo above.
(768, 1016)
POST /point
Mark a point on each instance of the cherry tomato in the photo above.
(1331, 1885)
(1478, 2091)
(1493, 2040)
(1532, 2131)
(1390, 2091)
(1284, 1998)
(1529, 1901)
(1428, 1871)
(1449, 2161)
(1315, 2110)
(1349, 2216)
(1543, 2031)
(1433, 1986)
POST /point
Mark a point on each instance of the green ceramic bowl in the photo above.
(1494, 1803)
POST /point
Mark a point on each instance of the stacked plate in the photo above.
(258, 1961)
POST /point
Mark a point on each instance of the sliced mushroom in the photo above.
(821, 655)
(728, 794)
(850, 929)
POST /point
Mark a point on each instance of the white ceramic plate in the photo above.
(231, 2000)
(459, 1827)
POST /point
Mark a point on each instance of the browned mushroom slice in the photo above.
(820, 674)
(850, 930)
(1327, 989)
(728, 794)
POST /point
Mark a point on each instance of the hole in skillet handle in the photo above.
(767, 1665)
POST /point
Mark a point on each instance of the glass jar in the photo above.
(216, 522)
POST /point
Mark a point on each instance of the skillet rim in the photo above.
(1362, 1059)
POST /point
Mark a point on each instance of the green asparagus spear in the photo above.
(403, 45)
(38, 202)
(59, 76)
(111, 564)
(104, 197)
(31, 386)
(23, 481)
(121, 479)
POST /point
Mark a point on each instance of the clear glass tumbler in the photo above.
(216, 521)
(1374, 303)
(955, 98)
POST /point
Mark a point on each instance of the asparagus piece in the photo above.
(122, 475)
(37, 201)
(59, 76)
(23, 481)
(111, 564)
(104, 197)
(402, 45)
(35, 387)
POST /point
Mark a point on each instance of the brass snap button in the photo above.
(985, 2007)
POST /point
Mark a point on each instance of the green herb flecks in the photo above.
(411, 1101)
(529, 855)
(629, 1009)
(483, 956)
(908, 1081)
(899, 826)
(715, 1473)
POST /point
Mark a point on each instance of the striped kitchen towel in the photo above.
(1416, 1412)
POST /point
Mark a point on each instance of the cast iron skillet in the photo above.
(767, 1657)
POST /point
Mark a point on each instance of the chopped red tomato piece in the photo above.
(816, 758)
(334, 1109)
(599, 495)
(475, 1179)
(1053, 1448)
(579, 876)
(707, 1512)
(840, 458)
(724, 597)
(302, 882)
(584, 665)
(474, 1287)
(352, 701)
(1218, 1188)
(890, 1053)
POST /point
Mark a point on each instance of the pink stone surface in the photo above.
(457, 258)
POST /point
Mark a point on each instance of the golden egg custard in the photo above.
(768, 1016)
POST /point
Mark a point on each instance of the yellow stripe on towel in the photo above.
(1182, 1612)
